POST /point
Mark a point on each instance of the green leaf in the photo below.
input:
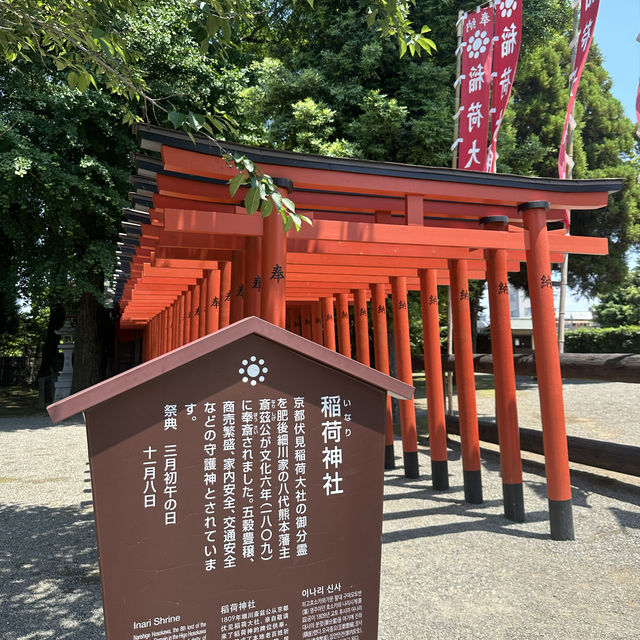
(248, 164)
(277, 199)
(213, 24)
(289, 204)
(236, 182)
(226, 30)
(287, 223)
(251, 201)
(83, 82)
(196, 121)
(72, 79)
(296, 220)
(177, 119)
(266, 208)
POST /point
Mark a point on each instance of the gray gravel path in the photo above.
(449, 570)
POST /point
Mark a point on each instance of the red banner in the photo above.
(588, 16)
(475, 89)
(508, 37)
(638, 108)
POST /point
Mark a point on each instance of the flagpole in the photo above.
(565, 263)
(454, 165)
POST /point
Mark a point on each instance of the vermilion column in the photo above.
(344, 336)
(293, 320)
(504, 375)
(213, 301)
(180, 323)
(163, 333)
(554, 435)
(237, 287)
(361, 321)
(403, 359)
(146, 339)
(174, 324)
(296, 321)
(195, 312)
(463, 350)
(186, 329)
(202, 316)
(274, 270)
(316, 322)
(433, 378)
(328, 320)
(381, 352)
(225, 294)
(305, 320)
(252, 276)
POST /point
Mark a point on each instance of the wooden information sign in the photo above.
(237, 485)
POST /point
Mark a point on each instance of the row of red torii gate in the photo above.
(191, 261)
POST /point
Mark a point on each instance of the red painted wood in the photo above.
(305, 320)
(554, 433)
(252, 277)
(503, 367)
(465, 381)
(237, 287)
(361, 321)
(213, 301)
(194, 319)
(274, 271)
(342, 313)
(202, 304)
(328, 323)
(316, 322)
(433, 365)
(403, 361)
(381, 346)
(189, 162)
(225, 295)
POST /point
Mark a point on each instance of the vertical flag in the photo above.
(475, 89)
(508, 37)
(588, 15)
(638, 109)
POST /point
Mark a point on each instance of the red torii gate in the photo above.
(192, 261)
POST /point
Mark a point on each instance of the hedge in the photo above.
(607, 340)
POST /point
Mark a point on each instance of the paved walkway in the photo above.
(449, 570)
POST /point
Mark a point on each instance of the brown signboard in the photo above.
(238, 491)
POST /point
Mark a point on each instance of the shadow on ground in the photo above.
(49, 574)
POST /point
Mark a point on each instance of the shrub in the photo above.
(607, 340)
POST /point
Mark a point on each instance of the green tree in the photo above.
(63, 170)
(620, 306)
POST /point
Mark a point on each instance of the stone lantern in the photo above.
(63, 383)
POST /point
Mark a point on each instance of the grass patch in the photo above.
(19, 401)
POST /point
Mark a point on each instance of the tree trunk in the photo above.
(87, 355)
(51, 358)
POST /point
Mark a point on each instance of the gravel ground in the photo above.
(449, 570)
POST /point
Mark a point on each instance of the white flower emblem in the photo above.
(508, 7)
(478, 43)
(252, 370)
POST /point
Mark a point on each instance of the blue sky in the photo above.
(617, 27)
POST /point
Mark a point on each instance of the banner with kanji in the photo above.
(508, 37)
(638, 108)
(588, 16)
(475, 89)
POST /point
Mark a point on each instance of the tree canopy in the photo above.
(621, 305)
(313, 77)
